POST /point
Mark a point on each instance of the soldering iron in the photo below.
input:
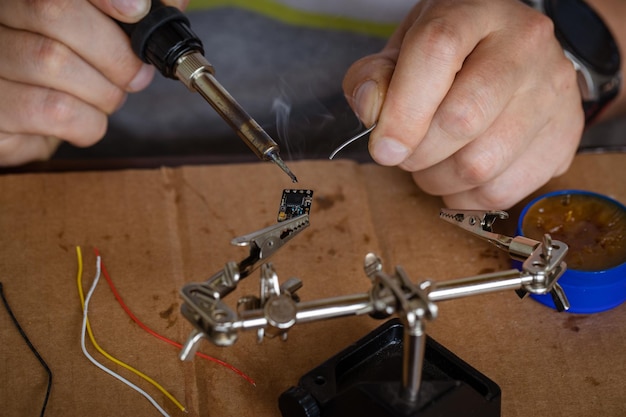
(164, 39)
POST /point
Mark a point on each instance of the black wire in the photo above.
(32, 348)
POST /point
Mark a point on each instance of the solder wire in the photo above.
(84, 302)
(119, 299)
(31, 347)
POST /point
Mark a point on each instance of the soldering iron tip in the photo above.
(278, 161)
(288, 172)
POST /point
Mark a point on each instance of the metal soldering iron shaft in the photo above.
(196, 72)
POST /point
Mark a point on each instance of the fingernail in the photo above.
(132, 8)
(142, 79)
(387, 151)
(367, 102)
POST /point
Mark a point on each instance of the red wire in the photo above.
(158, 336)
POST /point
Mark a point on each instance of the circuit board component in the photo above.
(294, 203)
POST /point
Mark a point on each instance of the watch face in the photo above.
(581, 31)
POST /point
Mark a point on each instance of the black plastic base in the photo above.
(364, 380)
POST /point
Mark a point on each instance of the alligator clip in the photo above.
(479, 223)
(265, 242)
(202, 302)
(542, 261)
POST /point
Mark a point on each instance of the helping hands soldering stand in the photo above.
(164, 39)
(278, 308)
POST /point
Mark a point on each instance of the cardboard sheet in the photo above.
(158, 229)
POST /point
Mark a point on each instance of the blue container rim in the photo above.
(593, 291)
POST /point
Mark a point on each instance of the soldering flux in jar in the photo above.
(593, 227)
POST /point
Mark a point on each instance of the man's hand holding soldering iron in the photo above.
(476, 98)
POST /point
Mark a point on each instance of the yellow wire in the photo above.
(103, 352)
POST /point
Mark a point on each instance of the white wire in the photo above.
(98, 364)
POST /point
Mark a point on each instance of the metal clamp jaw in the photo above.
(543, 262)
(277, 308)
(202, 302)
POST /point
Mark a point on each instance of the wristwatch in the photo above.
(589, 44)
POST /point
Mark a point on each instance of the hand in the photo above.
(474, 97)
(66, 66)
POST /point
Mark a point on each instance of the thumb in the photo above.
(366, 82)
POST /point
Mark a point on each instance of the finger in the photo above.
(33, 110)
(20, 149)
(526, 174)
(366, 83)
(91, 34)
(485, 158)
(479, 95)
(36, 60)
(433, 51)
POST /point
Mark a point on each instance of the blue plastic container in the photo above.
(587, 291)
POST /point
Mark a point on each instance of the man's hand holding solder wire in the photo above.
(476, 98)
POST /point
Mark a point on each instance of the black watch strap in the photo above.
(589, 44)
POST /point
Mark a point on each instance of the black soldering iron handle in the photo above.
(162, 37)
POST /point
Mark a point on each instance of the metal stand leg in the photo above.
(413, 360)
